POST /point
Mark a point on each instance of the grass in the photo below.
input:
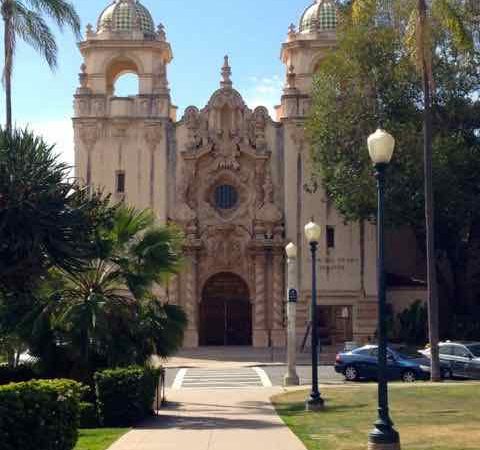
(98, 438)
(444, 417)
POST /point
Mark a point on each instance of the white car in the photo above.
(461, 359)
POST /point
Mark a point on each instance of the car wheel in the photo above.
(409, 376)
(447, 374)
(351, 373)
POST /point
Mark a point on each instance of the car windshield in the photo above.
(475, 349)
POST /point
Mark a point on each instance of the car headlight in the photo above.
(425, 368)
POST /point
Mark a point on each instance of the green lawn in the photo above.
(444, 417)
(98, 438)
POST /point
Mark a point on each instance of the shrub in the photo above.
(39, 415)
(411, 324)
(125, 395)
(23, 372)
(88, 415)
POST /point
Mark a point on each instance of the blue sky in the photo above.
(200, 32)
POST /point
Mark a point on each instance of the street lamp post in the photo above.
(383, 436)
(291, 377)
(315, 401)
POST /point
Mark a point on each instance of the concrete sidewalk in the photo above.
(214, 420)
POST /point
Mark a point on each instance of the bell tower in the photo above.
(346, 276)
(302, 53)
(121, 142)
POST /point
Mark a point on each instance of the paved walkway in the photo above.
(216, 419)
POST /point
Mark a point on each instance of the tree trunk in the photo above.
(8, 61)
(433, 313)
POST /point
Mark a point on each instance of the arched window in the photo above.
(226, 197)
(126, 85)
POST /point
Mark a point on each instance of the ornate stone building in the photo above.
(234, 178)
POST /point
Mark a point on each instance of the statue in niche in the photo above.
(269, 213)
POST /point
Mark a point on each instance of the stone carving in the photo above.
(226, 74)
(269, 213)
(277, 291)
(82, 106)
(260, 292)
(99, 107)
(184, 212)
(226, 152)
(260, 117)
(89, 134)
(152, 135)
(291, 77)
(162, 35)
(160, 79)
(119, 129)
(224, 247)
(89, 33)
(83, 77)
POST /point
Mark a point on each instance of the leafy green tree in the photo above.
(370, 79)
(23, 20)
(46, 220)
(107, 314)
(418, 21)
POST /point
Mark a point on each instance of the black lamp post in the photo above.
(313, 232)
(383, 436)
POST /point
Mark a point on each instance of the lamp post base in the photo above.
(314, 404)
(383, 438)
(383, 446)
(291, 380)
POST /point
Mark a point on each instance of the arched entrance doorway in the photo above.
(225, 311)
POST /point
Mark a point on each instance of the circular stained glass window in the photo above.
(226, 197)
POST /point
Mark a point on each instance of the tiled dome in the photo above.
(126, 15)
(321, 16)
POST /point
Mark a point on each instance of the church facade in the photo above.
(235, 179)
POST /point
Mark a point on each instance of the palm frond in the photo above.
(62, 12)
(32, 28)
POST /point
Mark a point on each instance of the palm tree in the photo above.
(107, 313)
(420, 18)
(24, 20)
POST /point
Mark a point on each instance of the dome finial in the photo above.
(226, 74)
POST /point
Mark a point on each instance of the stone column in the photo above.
(260, 334)
(191, 302)
(291, 377)
(278, 329)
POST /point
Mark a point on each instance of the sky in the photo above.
(200, 32)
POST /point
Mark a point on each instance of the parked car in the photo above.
(460, 359)
(362, 363)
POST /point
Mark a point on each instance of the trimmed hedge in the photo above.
(23, 372)
(39, 415)
(125, 396)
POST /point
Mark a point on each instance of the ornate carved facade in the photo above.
(235, 179)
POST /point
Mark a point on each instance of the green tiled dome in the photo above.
(321, 16)
(123, 15)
